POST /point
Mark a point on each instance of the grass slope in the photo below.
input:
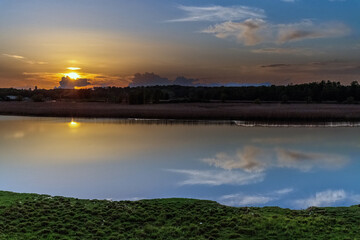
(32, 216)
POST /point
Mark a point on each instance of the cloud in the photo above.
(152, 79)
(246, 32)
(250, 159)
(333, 70)
(244, 200)
(183, 81)
(23, 59)
(69, 83)
(318, 69)
(216, 177)
(307, 29)
(284, 191)
(327, 198)
(295, 51)
(307, 160)
(249, 27)
(13, 56)
(47, 79)
(219, 13)
(254, 159)
(241, 199)
(148, 79)
(110, 80)
(255, 31)
(276, 65)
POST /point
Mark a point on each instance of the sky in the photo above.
(112, 42)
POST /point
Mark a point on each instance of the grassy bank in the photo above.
(31, 216)
(199, 111)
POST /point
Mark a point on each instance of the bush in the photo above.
(350, 100)
(257, 101)
(38, 98)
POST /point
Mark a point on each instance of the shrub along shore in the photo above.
(32, 216)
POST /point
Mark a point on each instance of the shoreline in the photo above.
(242, 113)
(245, 124)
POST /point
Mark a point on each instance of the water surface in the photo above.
(293, 167)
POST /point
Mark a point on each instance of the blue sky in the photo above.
(212, 41)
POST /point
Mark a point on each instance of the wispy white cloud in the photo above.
(284, 191)
(244, 200)
(219, 13)
(249, 27)
(218, 177)
(241, 199)
(327, 198)
(255, 31)
(247, 32)
(23, 59)
(13, 56)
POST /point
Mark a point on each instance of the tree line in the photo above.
(315, 92)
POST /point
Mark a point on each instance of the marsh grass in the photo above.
(265, 112)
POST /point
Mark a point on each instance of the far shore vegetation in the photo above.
(40, 217)
(316, 92)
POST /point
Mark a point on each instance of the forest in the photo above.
(316, 92)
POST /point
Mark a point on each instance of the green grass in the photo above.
(31, 216)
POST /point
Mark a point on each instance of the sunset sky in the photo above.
(107, 42)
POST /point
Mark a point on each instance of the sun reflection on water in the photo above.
(73, 124)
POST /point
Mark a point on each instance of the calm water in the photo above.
(237, 166)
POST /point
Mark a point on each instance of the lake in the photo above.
(292, 167)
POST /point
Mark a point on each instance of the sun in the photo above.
(72, 75)
(73, 68)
